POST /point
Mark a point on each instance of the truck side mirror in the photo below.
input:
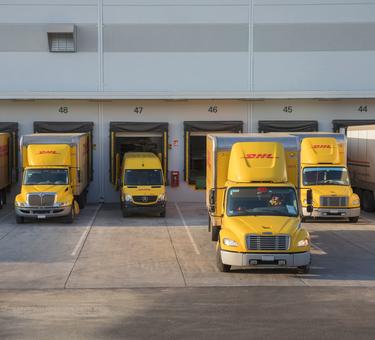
(212, 200)
(309, 197)
(309, 201)
(79, 175)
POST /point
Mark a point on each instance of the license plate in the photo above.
(41, 217)
(334, 211)
(268, 258)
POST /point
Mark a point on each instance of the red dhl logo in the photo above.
(259, 155)
(321, 146)
(48, 152)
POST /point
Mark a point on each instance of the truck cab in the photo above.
(255, 214)
(142, 184)
(323, 170)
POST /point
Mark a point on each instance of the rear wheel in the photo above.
(82, 200)
(19, 219)
(353, 219)
(2, 194)
(224, 268)
(368, 202)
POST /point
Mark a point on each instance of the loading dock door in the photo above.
(138, 137)
(195, 147)
(287, 126)
(12, 129)
(340, 125)
(69, 127)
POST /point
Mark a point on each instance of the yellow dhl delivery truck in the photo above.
(361, 163)
(254, 212)
(322, 168)
(55, 176)
(5, 168)
(142, 184)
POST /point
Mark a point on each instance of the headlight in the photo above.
(20, 204)
(161, 197)
(62, 204)
(356, 202)
(230, 243)
(128, 198)
(303, 243)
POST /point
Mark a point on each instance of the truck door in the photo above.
(137, 137)
(70, 127)
(195, 133)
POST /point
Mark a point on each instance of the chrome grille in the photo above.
(259, 242)
(41, 199)
(145, 199)
(333, 201)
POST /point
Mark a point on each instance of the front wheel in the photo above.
(215, 231)
(353, 219)
(303, 269)
(224, 268)
(19, 219)
(70, 218)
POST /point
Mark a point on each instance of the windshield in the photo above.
(143, 177)
(325, 176)
(46, 177)
(267, 201)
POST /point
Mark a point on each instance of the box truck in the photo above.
(361, 163)
(5, 167)
(142, 184)
(55, 176)
(322, 167)
(254, 211)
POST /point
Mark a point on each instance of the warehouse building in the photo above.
(158, 75)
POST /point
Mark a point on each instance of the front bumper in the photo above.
(43, 212)
(157, 207)
(275, 260)
(332, 212)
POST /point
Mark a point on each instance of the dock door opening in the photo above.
(70, 127)
(137, 137)
(195, 147)
(341, 125)
(288, 126)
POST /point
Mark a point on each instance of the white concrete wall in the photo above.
(173, 112)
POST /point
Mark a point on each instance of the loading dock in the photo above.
(137, 137)
(288, 126)
(341, 125)
(195, 147)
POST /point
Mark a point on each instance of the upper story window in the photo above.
(62, 38)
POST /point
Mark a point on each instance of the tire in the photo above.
(125, 213)
(368, 202)
(70, 218)
(223, 268)
(163, 213)
(20, 219)
(215, 231)
(2, 199)
(303, 269)
(353, 219)
(209, 223)
(82, 200)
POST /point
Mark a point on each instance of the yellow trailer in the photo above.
(55, 177)
(253, 206)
